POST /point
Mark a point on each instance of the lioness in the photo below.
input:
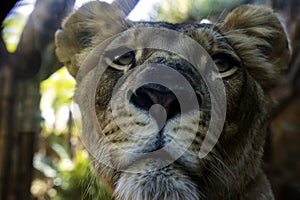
(144, 142)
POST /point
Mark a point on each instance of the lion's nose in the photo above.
(151, 94)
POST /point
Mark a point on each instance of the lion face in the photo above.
(151, 108)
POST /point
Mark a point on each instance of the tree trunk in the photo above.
(20, 75)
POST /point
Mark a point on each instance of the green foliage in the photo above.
(66, 177)
(60, 86)
(63, 176)
(57, 92)
(195, 10)
(14, 24)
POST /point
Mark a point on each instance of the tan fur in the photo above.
(252, 35)
(258, 31)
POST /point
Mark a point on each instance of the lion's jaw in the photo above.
(155, 172)
(170, 182)
(162, 167)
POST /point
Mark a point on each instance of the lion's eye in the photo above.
(223, 62)
(227, 65)
(121, 58)
(125, 59)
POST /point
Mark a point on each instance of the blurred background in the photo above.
(41, 155)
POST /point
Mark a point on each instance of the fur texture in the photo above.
(251, 38)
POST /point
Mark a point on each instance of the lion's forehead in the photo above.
(141, 35)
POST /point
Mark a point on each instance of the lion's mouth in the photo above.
(148, 161)
(169, 182)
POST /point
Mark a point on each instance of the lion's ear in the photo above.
(257, 34)
(85, 28)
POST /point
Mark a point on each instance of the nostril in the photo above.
(141, 100)
(146, 96)
(175, 109)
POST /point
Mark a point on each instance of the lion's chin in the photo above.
(163, 184)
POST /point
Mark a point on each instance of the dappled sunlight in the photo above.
(57, 92)
(15, 23)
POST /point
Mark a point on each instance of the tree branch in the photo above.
(125, 5)
(35, 52)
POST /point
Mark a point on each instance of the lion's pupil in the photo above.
(125, 59)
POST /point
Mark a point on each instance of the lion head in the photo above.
(175, 111)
